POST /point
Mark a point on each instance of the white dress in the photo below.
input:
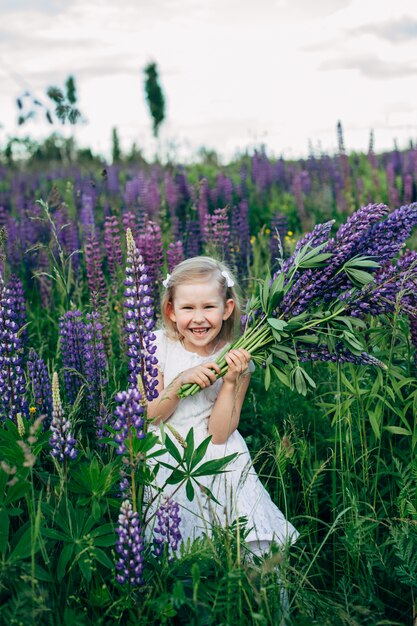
(239, 491)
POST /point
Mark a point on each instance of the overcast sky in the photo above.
(235, 73)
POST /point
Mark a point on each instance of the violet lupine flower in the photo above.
(129, 414)
(167, 534)
(350, 241)
(192, 240)
(202, 201)
(407, 189)
(339, 355)
(150, 247)
(217, 231)
(139, 321)
(393, 195)
(129, 547)
(299, 199)
(67, 234)
(12, 379)
(240, 248)
(175, 254)
(95, 362)
(41, 385)
(103, 419)
(95, 275)
(112, 244)
(16, 292)
(386, 238)
(72, 338)
(62, 440)
(87, 212)
(129, 221)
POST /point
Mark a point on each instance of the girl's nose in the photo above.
(198, 316)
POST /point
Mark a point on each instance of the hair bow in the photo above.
(229, 280)
(166, 281)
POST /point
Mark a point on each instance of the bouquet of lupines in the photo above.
(314, 306)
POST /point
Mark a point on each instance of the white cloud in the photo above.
(234, 73)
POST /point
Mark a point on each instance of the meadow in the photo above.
(339, 460)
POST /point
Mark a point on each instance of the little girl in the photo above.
(200, 313)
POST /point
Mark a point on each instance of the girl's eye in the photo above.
(210, 306)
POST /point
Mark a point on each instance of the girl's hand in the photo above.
(203, 375)
(238, 362)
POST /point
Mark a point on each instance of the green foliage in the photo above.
(154, 97)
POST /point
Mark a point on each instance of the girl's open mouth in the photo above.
(199, 331)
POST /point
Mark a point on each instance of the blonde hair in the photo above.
(197, 268)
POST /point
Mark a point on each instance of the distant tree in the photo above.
(116, 152)
(65, 101)
(154, 97)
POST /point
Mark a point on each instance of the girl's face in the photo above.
(199, 310)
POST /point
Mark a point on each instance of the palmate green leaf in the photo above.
(267, 379)
(315, 261)
(214, 466)
(189, 490)
(172, 449)
(281, 375)
(189, 450)
(359, 277)
(64, 558)
(277, 324)
(102, 558)
(176, 477)
(200, 452)
(361, 261)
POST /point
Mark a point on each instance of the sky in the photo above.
(236, 74)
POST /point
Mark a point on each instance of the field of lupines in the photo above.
(84, 254)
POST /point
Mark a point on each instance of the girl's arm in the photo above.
(225, 416)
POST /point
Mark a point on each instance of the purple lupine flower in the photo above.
(407, 189)
(129, 547)
(16, 292)
(340, 354)
(175, 254)
(103, 419)
(95, 275)
(41, 385)
(192, 240)
(167, 534)
(299, 199)
(62, 441)
(45, 280)
(67, 234)
(393, 196)
(12, 379)
(129, 414)
(87, 212)
(350, 241)
(202, 202)
(112, 244)
(129, 221)
(150, 247)
(216, 231)
(95, 362)
(139, 321)
(72, 338)
(386, 238)
(240, 249)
